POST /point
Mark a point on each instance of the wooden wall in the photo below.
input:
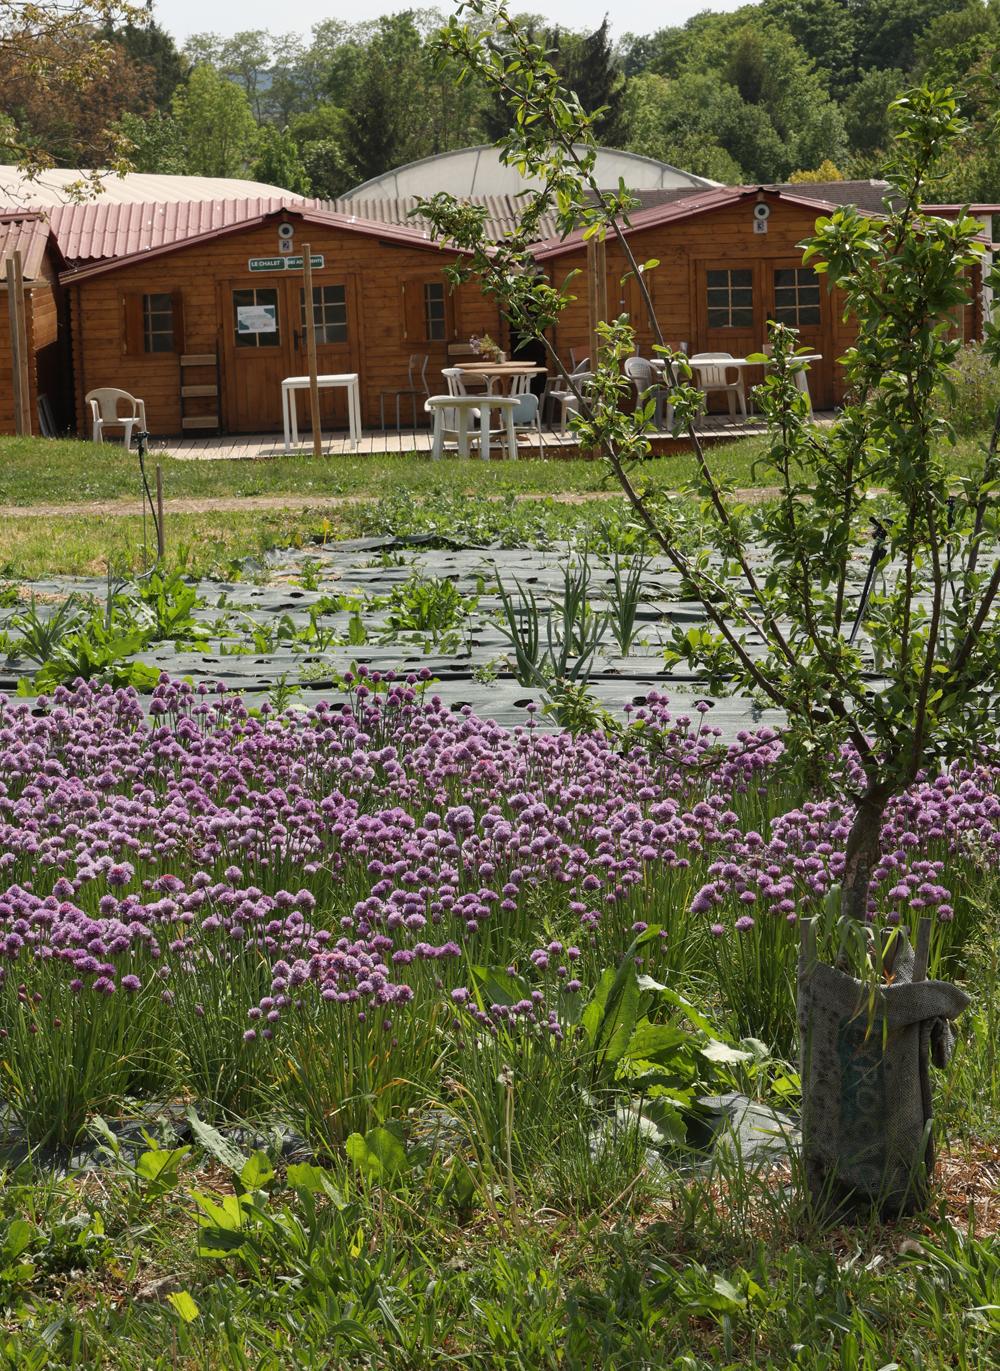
(47, 370)
(685, 249)
(379, 346)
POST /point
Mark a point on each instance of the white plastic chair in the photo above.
(104, 405)
(715, 379)
(646, 383)
(452, 421)
(566, 400)
(415, 388)
(528, 415)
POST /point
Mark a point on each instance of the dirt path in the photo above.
(234, 504)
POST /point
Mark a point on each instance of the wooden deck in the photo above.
(376, 442)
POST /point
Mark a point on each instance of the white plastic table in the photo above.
(290, 418)
(466, 407)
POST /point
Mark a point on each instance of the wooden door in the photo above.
(257, 354)
(335, 315)
(797, 297)
(730, 313)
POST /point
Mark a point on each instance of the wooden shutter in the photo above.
(132, 332)
(412, 312)
(177, 307)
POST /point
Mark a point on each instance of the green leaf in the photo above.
(656, 1042)
(160, 1163)
(215, 1144)
(723, 1054)
(380, 1154)
(19, 1236)
(184, 1305)
(499, 986)
(257, 1171)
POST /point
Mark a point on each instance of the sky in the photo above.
(184, 17)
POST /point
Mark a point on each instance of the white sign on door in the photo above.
(256, 319)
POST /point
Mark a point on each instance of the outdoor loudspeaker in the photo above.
(286, 230)
(761, 211)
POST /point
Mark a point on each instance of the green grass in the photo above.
(36, 471)
(48, 471)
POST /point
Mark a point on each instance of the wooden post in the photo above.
(597, 293)
(161, 540)
(307, 281)
(18, 345)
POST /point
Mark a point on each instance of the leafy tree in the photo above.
(62, 82)
(932, 633)
(654, 114)
(589, 67)
(826, 171)
(217, 128)
(154, 49)
(153, 143)
(279, 162)
(866, 109)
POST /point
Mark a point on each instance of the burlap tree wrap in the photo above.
(864, 1058)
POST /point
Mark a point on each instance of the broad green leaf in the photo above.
(723, 1054)
(19, 1236)
(257, 1171)
(184, 1305)
(215, 1144)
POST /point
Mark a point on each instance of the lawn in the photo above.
(34, 471)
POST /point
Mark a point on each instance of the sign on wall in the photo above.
(284, 263)
(256, 318)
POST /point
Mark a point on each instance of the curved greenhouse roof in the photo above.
(479, 172)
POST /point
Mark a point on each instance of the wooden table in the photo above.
(290, 418)
(494, 373)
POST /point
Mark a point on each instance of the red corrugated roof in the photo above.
(28, 234)
(704, 203)
(91, 233)
(184, 225)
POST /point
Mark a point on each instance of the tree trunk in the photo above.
(864, 848)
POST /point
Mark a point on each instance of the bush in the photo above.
(976, 380)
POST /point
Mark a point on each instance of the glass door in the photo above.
(257, 356)
(797, 299)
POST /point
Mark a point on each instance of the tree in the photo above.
(153, 48)
(217, 128)
(279, 162)
(62, 83)
(866, 109)
(153, 143)
(590, 68)
(932, 634)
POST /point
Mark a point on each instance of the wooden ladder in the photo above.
(199, 391)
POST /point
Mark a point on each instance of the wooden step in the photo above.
(198, 359)
(189, 392)
(200, 421)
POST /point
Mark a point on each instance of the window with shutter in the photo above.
(152, 322)
(428, 311)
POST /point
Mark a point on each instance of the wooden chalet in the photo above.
(170, 323)
(44, 317)
(197, 306)
(729, 261)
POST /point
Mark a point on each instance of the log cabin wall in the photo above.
(47, 373)
(376, 314)
(714, 265)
